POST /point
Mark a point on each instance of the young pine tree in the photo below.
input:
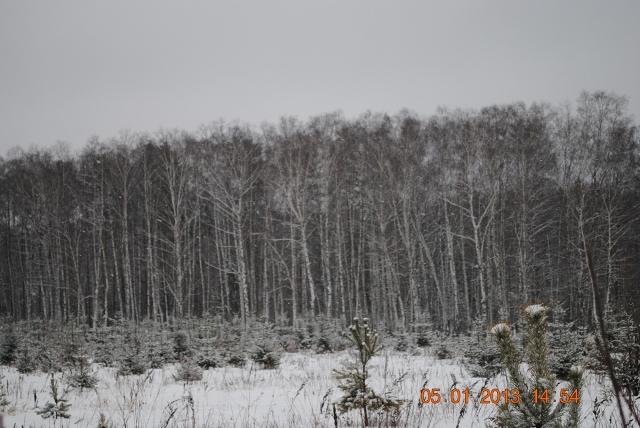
(532, 393)
(353, 379)
(60, 406)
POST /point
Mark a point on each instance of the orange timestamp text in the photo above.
(495, 396)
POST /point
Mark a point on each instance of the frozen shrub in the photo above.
(567, 344)
(402, 343)
(306, 341)
(59, 408)
(180, 345)
(358, 394)
(236, 358)
(624, 345)
(8, 347)
(480, 352)
(528, 411)
(266, 357)
(442, 352)
(188, 372)
(103, 423)
(423, 341)
(208, 359)
(159, 353)
(423, 332)
(132, 361)
(104, 355)
(26, 361)
(81, 376)
(323, 345)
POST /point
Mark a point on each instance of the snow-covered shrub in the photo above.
(236, 358)
(60, 406)
(264, 355)
(181, 345)
(358, 394)
(188, 371)
(402, 343)
(159, 352)
(623, 335)
(8, 346)
(286, 338)
(323, 345)
(423, 332)
(132, 359)
(106, 346)
(208, 359)
(523, 409)
(443, 352)
(480, 352)
(567, 344)
(81, 375)
(26, 361)
(103, 423)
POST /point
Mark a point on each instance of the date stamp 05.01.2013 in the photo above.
(496, 396)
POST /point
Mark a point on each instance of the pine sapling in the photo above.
(103, 423)
(531, 401)
(60, 406)
(353, 379)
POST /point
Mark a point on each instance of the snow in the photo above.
(535, 309)
(500, 328)
(298, 394)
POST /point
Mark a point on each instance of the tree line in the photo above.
(443, 219)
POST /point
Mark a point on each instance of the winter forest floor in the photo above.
(299, 393)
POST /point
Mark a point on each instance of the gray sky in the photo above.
(72, 69)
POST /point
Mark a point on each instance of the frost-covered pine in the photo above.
(264, 355)
(567, 343)
(8, 346)
(60, 406)
(358, 395)
(526, 412)
(81, 375)
(188, 371)
(480, 353)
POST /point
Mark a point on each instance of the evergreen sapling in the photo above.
(353, 379)
(531, 401)
(60, 406)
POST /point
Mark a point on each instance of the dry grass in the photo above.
(297, 394)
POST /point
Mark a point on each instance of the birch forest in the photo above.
(444, 219)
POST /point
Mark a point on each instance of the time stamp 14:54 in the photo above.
(496, 396)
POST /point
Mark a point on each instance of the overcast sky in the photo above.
(72, 69)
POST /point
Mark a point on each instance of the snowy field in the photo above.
(297, 394)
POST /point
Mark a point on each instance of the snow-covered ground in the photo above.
(297, 394)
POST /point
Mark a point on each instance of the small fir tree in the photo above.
(526, 412)
(353, 379)
(266, 357)
(60, 406)
(8, 347)
(481, 357)
(81, 375)
(208, 359)
(567, 343)
(623, 335)
(103, 423)
(188, 371)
